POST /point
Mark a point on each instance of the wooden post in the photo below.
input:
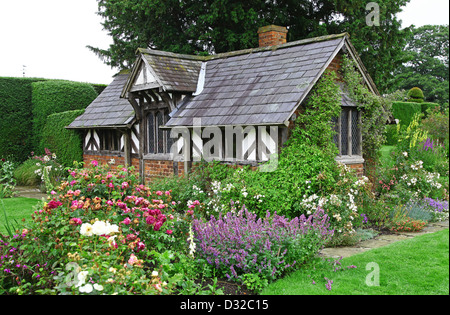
(127, 147)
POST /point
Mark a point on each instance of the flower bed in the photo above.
(102, 232)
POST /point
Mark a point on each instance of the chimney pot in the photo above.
(271, 35)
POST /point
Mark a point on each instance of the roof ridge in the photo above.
(243, 51)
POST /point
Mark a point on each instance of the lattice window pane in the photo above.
(159, 132)
(355, 132)
(334, 123)
(151, 133)
(169, 140)
(344, 132)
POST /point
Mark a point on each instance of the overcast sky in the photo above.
(49, 37)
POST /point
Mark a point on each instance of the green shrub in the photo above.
(16, 109)
(66, 144)
(391, 135)
(405, 111)
(428, 107)
(25, 174)
(415, 95)
(56, 96)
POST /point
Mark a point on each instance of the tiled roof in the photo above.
(260, 87)
(248, 87)
(176, 72)
(108, 109)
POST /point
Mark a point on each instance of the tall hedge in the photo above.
(426, 106)
(56, 96)
(16, 122)
(65, 143)
(405, 111)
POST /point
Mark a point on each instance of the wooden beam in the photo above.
(166, 98)
(137, 109)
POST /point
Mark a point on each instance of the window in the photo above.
(348, 132)
(158, 140)
(109, 140)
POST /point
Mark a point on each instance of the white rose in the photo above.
(87, 288)
(98, 287)
(86, 229)
(81, 278)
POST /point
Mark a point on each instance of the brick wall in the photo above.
(159, 169)
(272, 35)
(359, 168)
(153, 168)
(103, 159)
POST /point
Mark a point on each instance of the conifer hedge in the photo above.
(56, 96)
(25, 104)
(65, 143)
(16, 123)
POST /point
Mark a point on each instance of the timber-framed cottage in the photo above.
(164, 113)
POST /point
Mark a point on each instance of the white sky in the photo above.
(50, 37)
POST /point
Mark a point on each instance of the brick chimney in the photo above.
(271, 35)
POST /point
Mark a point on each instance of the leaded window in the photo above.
(348, 132)
(158, 140)
(109, 140)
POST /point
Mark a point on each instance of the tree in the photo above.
(427, 63)
(215, 26)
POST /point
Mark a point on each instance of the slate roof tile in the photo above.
(108, 108)
(256, 86)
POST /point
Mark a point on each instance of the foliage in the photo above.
(102, 221)
(49, 170)
(7, 180)
(56, 96)
(25, 173)
(376, 111)
(240, 243)
(216, 26)
(426, 64)
(405, 111)
(415, 95)
(380, 47)
(16, 109)
(16, 104)
(437, 127)
(66, 144)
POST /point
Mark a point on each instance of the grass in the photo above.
(16, 209)
(386, 151)
(418, 266)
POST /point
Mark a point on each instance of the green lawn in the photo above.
(418, 266)
(386, 154)
(16, 209)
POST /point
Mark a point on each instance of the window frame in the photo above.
(109, 140)
(350, 156)
(157, 134)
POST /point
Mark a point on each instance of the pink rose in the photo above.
(150, 220)
(169, 232)
(75, 221)
(94, 162)
(159, 193)
(157, 225)
(126, 221)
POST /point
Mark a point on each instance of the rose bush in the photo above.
(100, 216)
